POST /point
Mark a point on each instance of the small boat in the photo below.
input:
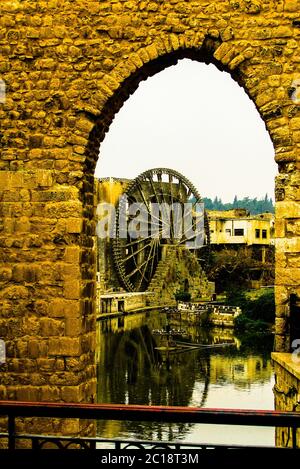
(196, 345)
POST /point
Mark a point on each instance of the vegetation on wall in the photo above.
(182, 296)
(258, 312)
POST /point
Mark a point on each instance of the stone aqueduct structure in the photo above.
(68, 67)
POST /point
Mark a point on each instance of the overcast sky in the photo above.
(197, 120)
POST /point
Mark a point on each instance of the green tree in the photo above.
(254, 206)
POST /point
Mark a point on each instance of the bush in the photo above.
(235, 297)
(257, 314)
(182, 296)
(261, 309)
(242, 323)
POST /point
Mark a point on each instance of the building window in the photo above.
(257, 233)
(228, 232)
(238, 232)
(264, 234)
(212, 231)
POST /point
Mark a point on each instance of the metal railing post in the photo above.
(294, 437)
(11, 432)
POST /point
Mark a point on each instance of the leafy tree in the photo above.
(231, 266)
(257, 314)
(254, 206)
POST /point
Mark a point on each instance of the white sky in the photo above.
(197, 120)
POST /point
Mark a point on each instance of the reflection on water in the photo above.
(132, 371)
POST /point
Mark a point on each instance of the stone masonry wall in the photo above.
(286, 394)
(68, 67)
(178, 266)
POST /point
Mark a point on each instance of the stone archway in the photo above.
(68, 68)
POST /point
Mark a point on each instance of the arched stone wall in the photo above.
(68, 67)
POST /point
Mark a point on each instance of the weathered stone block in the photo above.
(46, 364)
(60, 364)
(280, 228)
(37, 348)
(51, 327)
(3, 393)
(73, 327)
(63, 378)
(292, 5)
(287, 210)
(63, 209)
(293, 260)
(57, 308)
(14, 292)
(72, 289)
(71, 393)
(5, 274)
(288, 276)
(288, 245)
(31, 325)
(27, 393)
(50, 393)
(26, 273)
(295, 123)
(72, 254)
(281, 343)
(71, 427)
(77, 364)
(65, 346)
(281, 326)
(44, 178)
(74, 225)
(72, 309)
(22, 225)
(282, 295)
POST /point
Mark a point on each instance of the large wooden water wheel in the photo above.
(136, 257)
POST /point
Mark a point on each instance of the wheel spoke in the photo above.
(156, 246)
(144, 269)
(137, 269)
(135, 252)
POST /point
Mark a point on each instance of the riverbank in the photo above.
(258, 309)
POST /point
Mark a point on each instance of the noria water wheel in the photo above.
(136, 258)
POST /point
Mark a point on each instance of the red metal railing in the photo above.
(268, 418)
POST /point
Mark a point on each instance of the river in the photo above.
(131, 370)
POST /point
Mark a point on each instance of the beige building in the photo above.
(239, 227)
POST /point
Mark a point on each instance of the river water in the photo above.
(131, 370)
